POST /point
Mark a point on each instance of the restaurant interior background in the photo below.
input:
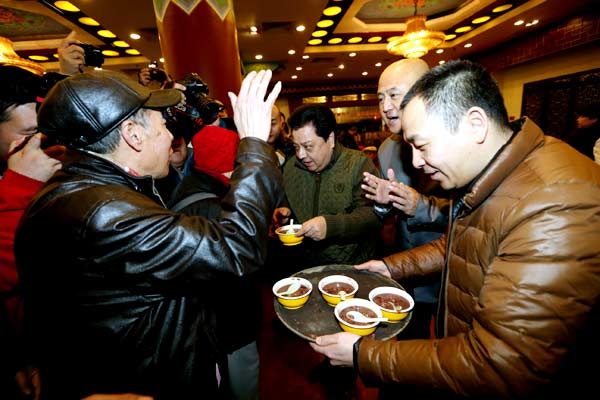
(544, 54)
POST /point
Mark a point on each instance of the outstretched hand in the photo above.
(375, 266)
(337, 347)
(251, 112)
(376, 188)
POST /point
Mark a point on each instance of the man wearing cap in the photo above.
(115, 289)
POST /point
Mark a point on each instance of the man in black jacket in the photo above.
(115, 289)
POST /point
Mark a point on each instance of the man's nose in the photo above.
(417, 159)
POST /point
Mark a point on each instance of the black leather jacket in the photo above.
(114, 281)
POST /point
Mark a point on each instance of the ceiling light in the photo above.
(120, 43)
(314, 42)
(365, 73)
(55, 55)
(300, 28)
(8, 56)
(294, 76)
(66, 6)
(97, 68)
(355, 39)
(306, 56)
(110, 53)
(450, 36)
(463, 29)
(162, 59)
(106, 33)
(298, 68)
(331, 11)
(378, 64)
(341, 66)
(291, 52)
(468, 45)
(374, 39)
(417, 40)
(535, 21)
(88, 21)
(335, 40)
(441, 62)
(352, 55)
(502, 8)
(133, 52)
(258, 56)
(439, 51)
(135, 36)
(480, 20)
(38, 58)
(253, 29)
(519, 22)
(319, 33)
(325, 23)
(329, 75)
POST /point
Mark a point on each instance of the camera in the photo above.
(158, 75)
(93, 56)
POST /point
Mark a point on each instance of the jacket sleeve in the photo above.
(431, 215)
(420, 261)
(360, 221)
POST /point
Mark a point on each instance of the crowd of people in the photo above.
(128, 207)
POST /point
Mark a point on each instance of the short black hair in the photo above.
(320, 116)
(19, 87)
(450, 89)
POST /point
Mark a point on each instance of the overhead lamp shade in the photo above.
(9, 57)
(417, 40)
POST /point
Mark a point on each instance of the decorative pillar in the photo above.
(200, 36)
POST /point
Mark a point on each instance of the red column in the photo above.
(200, 40)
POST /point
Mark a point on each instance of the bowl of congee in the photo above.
(395, 303)
(336, 288)
(292, 292)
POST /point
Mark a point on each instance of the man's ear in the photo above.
(331, 139)
(478, 123)
(132, 135)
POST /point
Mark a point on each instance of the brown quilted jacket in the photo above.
(521, 283)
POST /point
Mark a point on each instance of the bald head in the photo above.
(394, 82)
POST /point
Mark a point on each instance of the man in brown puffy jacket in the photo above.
(520, 262)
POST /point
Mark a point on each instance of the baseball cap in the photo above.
(84, 108)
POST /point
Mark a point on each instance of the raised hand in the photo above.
(32, 161)
(251, 112)
(376, 188)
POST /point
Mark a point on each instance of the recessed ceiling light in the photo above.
(291, 52)
(519, 22)
(502, 8)
(450, 36)
(300, 28)
(97, 68)
(298, 68)
(162, 59)
(306, 56)
(314, 42)
(378, 64)
(135, 36)
(324, 23)
(391, 39)
(110, 53)
(355, 39)
(374, 39)
(120, 43)
(535, 21)
(441, 62)
(319, 33)
(468, 45)
(55, 55)
(439, 51)
(463, 29)
(329, 75)
(133, 52)
(294, 76)
(258, 56)
(481, 20)
(341, 66)
(38, 58)
(331, 11)
(335, 40)
(352, 54)
(106, 33)
(66, 6)
(88, 21)
(253, 29)
(365, 73)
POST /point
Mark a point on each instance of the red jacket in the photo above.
(16, 191)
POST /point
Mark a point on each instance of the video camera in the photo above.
(92, 56)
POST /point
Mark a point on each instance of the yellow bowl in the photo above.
(362, 330)
(331, 298)
(292, 302)
(289, 238)
(391, 314)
